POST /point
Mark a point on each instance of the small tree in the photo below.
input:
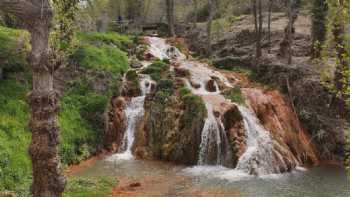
(170, 7)
(211, 11)
(319, 27)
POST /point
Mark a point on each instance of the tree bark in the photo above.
(170, 5)
(195, 19)
(209, 26)
(290, 30)
(257, 13)
(319, 28)
(260, 34)
(43, 99)
(269, 24)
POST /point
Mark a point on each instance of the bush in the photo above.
(235, 95)
(156, 69)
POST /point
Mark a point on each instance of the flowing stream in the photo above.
(209, 177)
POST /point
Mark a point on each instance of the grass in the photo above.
(79, 187)
(103, 52)
(80, 117)
(13, 49)
(15, 166)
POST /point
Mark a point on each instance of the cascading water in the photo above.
(260, 156)
(134, 112)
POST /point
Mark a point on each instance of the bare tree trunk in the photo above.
(269, 24)
(43, 99)
(290, 30)
(195, 20)
(257, 26)
(260, 34)
(209, 26)
(170, 4)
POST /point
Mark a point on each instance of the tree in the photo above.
(211, 11)
(339, 13)
(287, 42)
(43, 99)
(258, 24)
(269, 23)
(170, 7)
(319, 29)
(195, 18)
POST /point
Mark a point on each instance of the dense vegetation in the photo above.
(82, 107)
(93, 60)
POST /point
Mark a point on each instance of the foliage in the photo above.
(15, 166)
(13, 49)
(64, 31)
(83, 187)
(102, 52)
(193, 107)
(235, 95)
(156, 69)
(80, 117)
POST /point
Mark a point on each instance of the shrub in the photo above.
(156, 69)
(235, 95)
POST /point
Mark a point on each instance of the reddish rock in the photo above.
(210, 86)
(278, 117)
(115, 124)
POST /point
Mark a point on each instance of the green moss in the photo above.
(131, 75)
(194, 107)
(101, 58)
(156, 69)
(14, 46)
(110, 38)
(80, 187)
(235, 95)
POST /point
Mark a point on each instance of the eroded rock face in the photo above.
(115, 125)
(210, 86)
(131, 85)
(278, 117)
(233, 122)
(170, 131)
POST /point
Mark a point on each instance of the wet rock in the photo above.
(115, 124)
(233, 122)
(136, 184)
(171, 130)
(131, 85)
(135, 63)
(211, 86)
(181, 72)
(278, 117)
(318, 109)
(195, 85)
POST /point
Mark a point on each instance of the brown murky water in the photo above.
(159, 179)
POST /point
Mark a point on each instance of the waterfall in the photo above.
(260, 157)
(134, 113)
